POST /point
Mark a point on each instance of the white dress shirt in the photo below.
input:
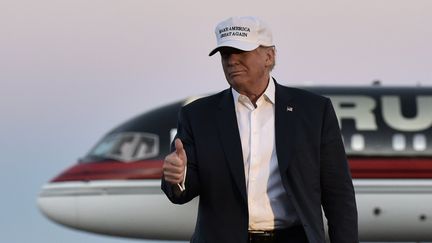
(267, 199)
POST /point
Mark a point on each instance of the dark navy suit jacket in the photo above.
(312, 164)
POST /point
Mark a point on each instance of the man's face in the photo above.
(245, 69)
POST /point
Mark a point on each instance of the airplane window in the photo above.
(124, 145)
(144, 147)
(104, 146)
(419, 142)
(357, 142)
(127, 147)
(399, 143)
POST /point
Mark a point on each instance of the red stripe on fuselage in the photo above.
(361, 168)
(391, 168)
(112, 170)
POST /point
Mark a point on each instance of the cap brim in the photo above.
(241, 45)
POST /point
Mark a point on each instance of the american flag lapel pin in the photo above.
(290, 108)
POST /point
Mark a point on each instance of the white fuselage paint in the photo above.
(388, 210)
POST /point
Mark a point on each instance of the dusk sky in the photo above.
(72, 70)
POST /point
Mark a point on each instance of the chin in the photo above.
(238, 81)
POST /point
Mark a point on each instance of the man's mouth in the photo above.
(236, 72)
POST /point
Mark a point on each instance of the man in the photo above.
(263, 158)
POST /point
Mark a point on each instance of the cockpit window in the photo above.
(127, 147)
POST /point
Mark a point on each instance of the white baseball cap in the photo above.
(245, 33)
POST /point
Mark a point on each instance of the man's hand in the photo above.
(174, 164)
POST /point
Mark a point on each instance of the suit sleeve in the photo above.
(338, 197)
(184, 132)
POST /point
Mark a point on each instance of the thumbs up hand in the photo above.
(174, 164)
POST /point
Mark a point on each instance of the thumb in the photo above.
(179, 149)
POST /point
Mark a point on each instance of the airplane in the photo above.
(387, 132)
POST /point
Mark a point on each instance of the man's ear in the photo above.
(270, 56)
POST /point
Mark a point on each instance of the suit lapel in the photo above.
(285, 127)
(230, 140)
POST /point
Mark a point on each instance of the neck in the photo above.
(253, 93)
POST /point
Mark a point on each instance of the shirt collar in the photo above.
(269, 93)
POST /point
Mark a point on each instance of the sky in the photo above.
(72, 70)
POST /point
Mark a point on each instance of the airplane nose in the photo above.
(126, 208)
(57, 207)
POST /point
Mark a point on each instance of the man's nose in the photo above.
(232, 58)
